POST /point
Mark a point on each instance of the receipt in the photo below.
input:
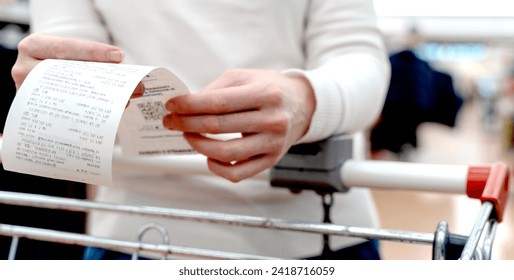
(141, 132)
(64, 119)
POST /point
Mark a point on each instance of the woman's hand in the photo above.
(271, 110)
(39, 46)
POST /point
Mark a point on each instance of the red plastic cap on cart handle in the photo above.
(490, 183)
(477, 178)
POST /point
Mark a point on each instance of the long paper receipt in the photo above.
(65, 117)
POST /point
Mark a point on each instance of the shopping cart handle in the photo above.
(490, 183)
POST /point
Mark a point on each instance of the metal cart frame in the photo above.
(325, 167)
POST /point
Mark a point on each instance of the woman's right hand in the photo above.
(39, 46)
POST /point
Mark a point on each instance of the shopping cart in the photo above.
(325, 167)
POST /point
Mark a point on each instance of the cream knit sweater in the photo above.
(334, 43)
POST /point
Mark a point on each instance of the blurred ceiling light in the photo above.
(444, 8)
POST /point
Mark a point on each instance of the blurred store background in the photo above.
(451, 101)
(467, 122)
(14, 25)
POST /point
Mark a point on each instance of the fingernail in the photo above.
(167, 122)
(115, 56)
(170, 106)
(139, 90)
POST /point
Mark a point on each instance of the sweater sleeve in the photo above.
(346, 65)
(77, 18)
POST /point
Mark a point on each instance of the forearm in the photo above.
(347, 66)
(348, 98)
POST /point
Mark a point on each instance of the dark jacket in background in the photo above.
(417, 94)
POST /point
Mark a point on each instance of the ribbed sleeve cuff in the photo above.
(329, 105)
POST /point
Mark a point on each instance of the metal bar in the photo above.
(489, 239)
(1, 140)
(476, 232)
(411, 176)
(219, 218)
(87, 240)
(14, 247)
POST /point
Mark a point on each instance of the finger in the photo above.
(219, 101)
(246, 122)
(235, 150)
(44, 46)
(138, 91)
(21, 69)
(240, 170)
(230, 78)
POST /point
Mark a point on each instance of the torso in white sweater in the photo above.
(340, 52)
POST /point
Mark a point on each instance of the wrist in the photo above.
(304, 94)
